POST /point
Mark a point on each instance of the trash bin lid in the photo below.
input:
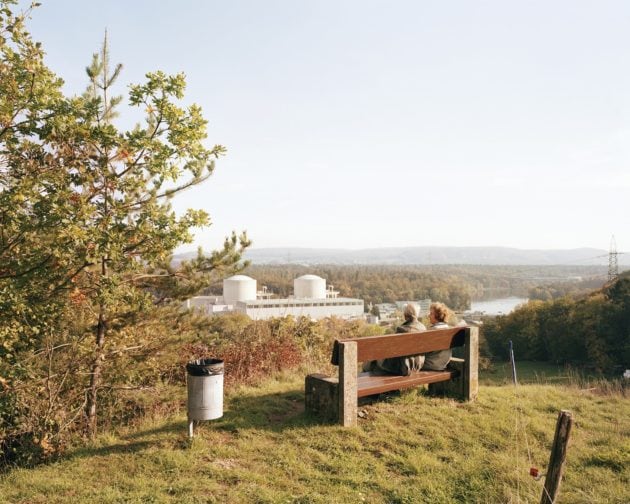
(205, 367)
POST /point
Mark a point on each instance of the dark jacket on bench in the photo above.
(401, 365)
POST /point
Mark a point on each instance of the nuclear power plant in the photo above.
(310, 299)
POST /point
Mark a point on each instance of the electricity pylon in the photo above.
(613, 269)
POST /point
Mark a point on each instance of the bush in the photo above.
(593, 331)
(42, 409)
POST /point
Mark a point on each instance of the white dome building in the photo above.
(309, 287)
(310, 299)
(238, 288)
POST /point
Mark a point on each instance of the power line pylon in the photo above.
(613, 269)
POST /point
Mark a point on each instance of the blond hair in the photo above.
(440, 311)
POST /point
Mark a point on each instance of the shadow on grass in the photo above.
(274, 412)
(131, 443)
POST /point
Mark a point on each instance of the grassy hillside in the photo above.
(409, 448)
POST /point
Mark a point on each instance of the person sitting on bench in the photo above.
(402, 365)
(437, 361)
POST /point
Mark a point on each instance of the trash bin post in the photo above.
(205, 391)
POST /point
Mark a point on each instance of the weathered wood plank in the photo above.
(369, 384)
(557, 457)
(395, 345)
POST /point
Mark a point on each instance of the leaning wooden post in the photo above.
(471, 364)
(557, 457)
(348, 383)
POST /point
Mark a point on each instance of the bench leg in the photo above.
(348, 408)
(471, 364)
(466, 385)
(454, 387)
(321, 396)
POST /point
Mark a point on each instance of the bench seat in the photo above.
(372, 383)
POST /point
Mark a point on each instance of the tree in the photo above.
(32, 192)
(30, 187)
(87, 225)
(123, 185)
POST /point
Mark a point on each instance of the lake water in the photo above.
(497, 306)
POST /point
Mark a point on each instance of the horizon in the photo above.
(421, 246)
(431, 256)
(356, 125)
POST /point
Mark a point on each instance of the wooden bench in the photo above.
(337, 399)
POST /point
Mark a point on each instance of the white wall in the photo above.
(315, 312)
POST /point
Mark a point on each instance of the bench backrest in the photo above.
(398, 345)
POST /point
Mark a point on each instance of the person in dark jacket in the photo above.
(411, 323)
(402, 365)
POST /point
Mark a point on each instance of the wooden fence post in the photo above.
(348, 408)
(557, 457)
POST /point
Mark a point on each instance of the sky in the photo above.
(361, 124)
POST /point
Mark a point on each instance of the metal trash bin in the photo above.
(205, 390)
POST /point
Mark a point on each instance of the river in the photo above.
(500, 306)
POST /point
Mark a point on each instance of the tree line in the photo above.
(592, 330)
(455, 285)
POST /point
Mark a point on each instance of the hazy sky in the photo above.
(403, 123)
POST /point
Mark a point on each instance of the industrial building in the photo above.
(388, 310)
(310, 299)
(422, 306)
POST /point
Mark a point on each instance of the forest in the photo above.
(591, 331)
(455, 285)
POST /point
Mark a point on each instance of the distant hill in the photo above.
(428, 255)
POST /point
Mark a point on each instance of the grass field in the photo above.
(409, 448)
